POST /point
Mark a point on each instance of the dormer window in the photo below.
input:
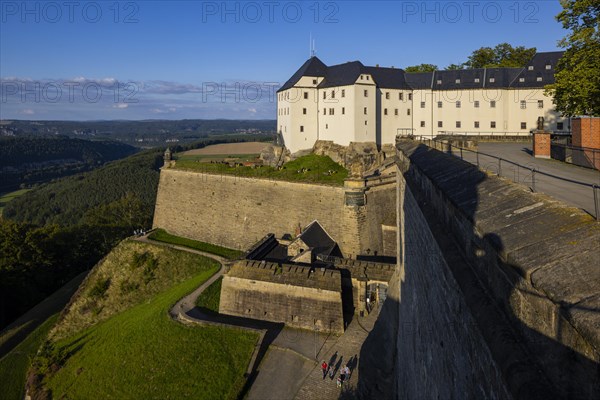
(367, 77)
(314, 81)
(457, 81)
(361, 77)
(492, 80)
(548, 66)
(521, 79)
(439, 81)
(476, 80)
(539, 79)
(530, 68)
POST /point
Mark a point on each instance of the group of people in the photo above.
(330, 370)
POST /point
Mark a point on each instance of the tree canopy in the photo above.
(503, 55)
(421, 68)
(576, 90)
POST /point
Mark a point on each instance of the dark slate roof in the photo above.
(395, 78)
(388, 78)
(315, 236)
(342, 74)
(538, 62)
(312, 67)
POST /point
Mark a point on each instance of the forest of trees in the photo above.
(54, 232)
(25, 161)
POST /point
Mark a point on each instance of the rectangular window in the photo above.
(540, 103)
(477, 80)
(559, 126)
(476, 124)
(324, 95)
(530, 68)
(304, 111)
(401, 96)
(493, 124)
(458, 104)
(523, 104)
(408, 111)
(422, 124)
(365, 122)
(422, 104)
(410, 96)
(326, 126)
(365, 110)
(439, 104)
(395, 111)
(324, 111)
(385, 111)
(457, 81)
(439, 81)
(306, 95)
(333, 94)
(493, 104)
(458, 124)
(366, 92)
(523, 125)
(548, 66)
(492, 80)
(331, 111)
(521, 80)
(440, 124)
(301, 128)
(387, 95)
(343, 92)
(476, 103)
(343, 110)
(539, 79)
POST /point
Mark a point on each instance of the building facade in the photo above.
(355, 103)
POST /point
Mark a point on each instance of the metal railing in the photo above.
(528, 177)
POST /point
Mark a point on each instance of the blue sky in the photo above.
(84, 60)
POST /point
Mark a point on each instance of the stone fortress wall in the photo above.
(236, 212)
(298, 296)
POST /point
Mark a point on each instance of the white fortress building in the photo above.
(354, 103)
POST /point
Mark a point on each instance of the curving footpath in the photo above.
(289, 358)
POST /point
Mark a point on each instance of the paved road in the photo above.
(564, 182)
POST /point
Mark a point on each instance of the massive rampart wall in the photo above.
(493, 275)
(236, 212)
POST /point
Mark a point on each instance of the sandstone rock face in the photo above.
(275, 156)
(357, 158)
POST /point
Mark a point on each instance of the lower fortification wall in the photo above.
(236, 212)
(296, 306)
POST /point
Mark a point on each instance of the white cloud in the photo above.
(121, 105)
(28, 112)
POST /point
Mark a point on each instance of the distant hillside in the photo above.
(122, 184)
(25, 161)
(146, 134)
(116, 339)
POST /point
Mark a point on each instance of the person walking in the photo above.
(324, 368)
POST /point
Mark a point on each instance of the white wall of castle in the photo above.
(364, 113)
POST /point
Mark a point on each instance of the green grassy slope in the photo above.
(14, 365)
(118, 341)
(161, 235)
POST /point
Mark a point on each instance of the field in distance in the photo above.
(226, 149)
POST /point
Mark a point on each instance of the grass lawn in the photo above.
(161, 235)
(142, 354)
(210, 298)
(14, 365)
(6, 197)
(310, 168)
(208, 157)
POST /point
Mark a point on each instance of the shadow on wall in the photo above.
(448, 328)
